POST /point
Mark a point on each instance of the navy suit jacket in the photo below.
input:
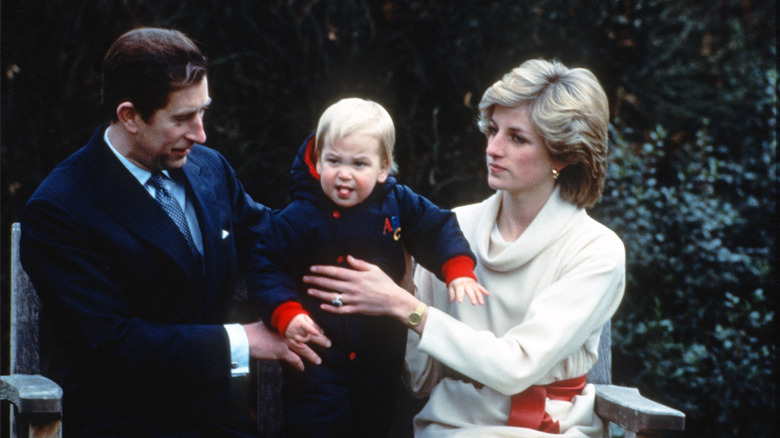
(131, 324)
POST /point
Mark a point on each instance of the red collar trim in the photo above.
(310, 157)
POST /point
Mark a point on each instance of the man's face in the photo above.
(165, 141)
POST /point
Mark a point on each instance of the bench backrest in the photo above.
(35, 408)
(25, 304)
(601, 373)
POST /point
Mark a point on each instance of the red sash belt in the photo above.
(527, 408)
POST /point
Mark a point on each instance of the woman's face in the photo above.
(517, 160)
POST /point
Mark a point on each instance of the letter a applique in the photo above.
(393, 225)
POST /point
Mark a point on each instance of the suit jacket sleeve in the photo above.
(117, 302)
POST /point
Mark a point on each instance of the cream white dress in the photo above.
(551, 291)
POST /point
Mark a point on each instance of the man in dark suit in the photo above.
(134, 244)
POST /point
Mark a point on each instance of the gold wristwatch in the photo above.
(416, 316)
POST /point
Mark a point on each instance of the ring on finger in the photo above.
(337, 302)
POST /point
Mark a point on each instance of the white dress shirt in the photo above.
(239, 344)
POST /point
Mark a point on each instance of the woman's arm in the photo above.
(561, 318)
(365, 289)
(515, 344)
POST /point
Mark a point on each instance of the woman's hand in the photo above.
(366, 289)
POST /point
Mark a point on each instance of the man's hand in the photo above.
(467, 286)
(266, 344)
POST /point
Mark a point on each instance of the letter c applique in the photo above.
(393, 225)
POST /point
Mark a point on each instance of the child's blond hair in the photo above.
(352, 115)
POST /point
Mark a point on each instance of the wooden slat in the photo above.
(25, 306)
(601, 373)
(269, 397)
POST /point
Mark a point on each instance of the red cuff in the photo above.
(458, 266)
(284, 314)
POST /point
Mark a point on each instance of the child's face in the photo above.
(350, 167)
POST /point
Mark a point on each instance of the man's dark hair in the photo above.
(145, 65)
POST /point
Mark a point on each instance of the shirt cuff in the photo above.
(239, 350)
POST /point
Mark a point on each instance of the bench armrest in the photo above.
(628, 409)
(31, 394)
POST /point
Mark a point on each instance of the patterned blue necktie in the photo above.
(173, 209)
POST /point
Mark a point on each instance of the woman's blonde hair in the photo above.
(355, 115)
(569, 110)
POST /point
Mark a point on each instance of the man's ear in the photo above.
(128, 116)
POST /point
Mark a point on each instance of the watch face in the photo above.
(414, 318)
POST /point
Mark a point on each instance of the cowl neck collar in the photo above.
(552, 222)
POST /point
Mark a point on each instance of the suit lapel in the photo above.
(132, 206)
(202, 189)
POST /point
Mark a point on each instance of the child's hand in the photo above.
(302, 329)
(467, 286)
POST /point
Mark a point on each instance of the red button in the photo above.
(352, 356)
(340, 259)
(336, 214)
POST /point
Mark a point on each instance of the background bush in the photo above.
(692, 185)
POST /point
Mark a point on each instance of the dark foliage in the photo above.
(692, 187)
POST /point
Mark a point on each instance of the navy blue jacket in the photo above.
(131, 324)
(314, 230)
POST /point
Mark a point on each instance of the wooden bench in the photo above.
(38, 406)
(638, 416)
(36, 402)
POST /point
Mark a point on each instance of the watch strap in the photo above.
(415, 317)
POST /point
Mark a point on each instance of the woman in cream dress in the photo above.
(514, 366)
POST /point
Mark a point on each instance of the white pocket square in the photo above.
(225, 234)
